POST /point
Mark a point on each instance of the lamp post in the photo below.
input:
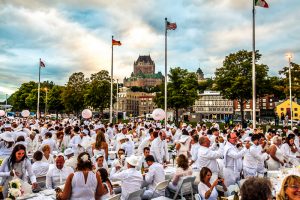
(46, 89)
(289, 56)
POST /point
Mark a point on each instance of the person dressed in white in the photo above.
(49, 141)
(146, 142)
(76, 141)
(58, 174)
(39, 167)
(233, 163)
(32, 142)
(131, 178)
(159, 148)
(84, 183)
(207, 187)
(194, 150)
(142, 161)
(207, 157)
(253, 157)
(128, 146)
(289, 151)
(276, 157)
(154, 176)
(183, 144)
(71, 160)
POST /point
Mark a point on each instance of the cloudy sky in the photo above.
(75, 35)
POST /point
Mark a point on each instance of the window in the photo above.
(295, 109)
(282, 109)
(296, 114)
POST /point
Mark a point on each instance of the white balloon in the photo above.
(86, 113)
(158, 114)
(2, 113)
(25, 113)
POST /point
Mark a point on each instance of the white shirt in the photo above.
(74, 144)
(155, 175)
(253, 157)
(131, 181)
(50, 160)
(56, 177)
(208, 158)
(40, 168)
(145, 143)
(233, 157)
(194, 151)
(51, 143)
(202, 189)
(71, 162)
(32, 145)
(159, 150)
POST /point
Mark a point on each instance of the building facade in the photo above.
(135, 103)
(144, 74)
(211, 105)
(285, 109)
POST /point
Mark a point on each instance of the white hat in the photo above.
(7, 136)
(121, 137)
(132, 160)
(97, 127)
(68, 151)
(99, 155)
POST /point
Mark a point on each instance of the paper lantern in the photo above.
(86, 113)
(158, 114)
(2, 113)
(25, 113)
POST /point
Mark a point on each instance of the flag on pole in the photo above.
(116, 42)
(42, 64)
(261, 3)
(171, 26)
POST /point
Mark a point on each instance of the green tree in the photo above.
(18, 98)
(182, 90)
(274, 85)
(73, 95)
(295, 80)
(234, 79)
(55, 99)
(98, 91)
(205, 84)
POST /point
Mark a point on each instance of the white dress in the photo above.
(202, 189)
(107, 195)
(273, 164)
(82, 190)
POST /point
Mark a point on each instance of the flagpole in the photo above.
(39, 85)
(166, 73)
(111, 80)
(117, 107)
(253, 69)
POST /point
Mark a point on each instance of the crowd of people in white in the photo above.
(89, 158)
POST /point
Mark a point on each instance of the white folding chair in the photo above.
(185, 187)
(115, 197)
(137, 195)
(161, 186)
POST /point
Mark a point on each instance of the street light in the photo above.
(289, 56)
(46, 89)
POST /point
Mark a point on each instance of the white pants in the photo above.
(231, 177)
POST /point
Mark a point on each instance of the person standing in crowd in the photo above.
(289, 150)
(207, 157)
(131, 178)
(159, 148)
(276, 157)
(194, 150)
(253, 157)
(76, 141)
(57, 175)
(100, 162)
(49, 141)
(84, 183)
(147, 141)
(100, 146)
(233, 163)
(32, 142)
(155, 175)
(17, 164)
